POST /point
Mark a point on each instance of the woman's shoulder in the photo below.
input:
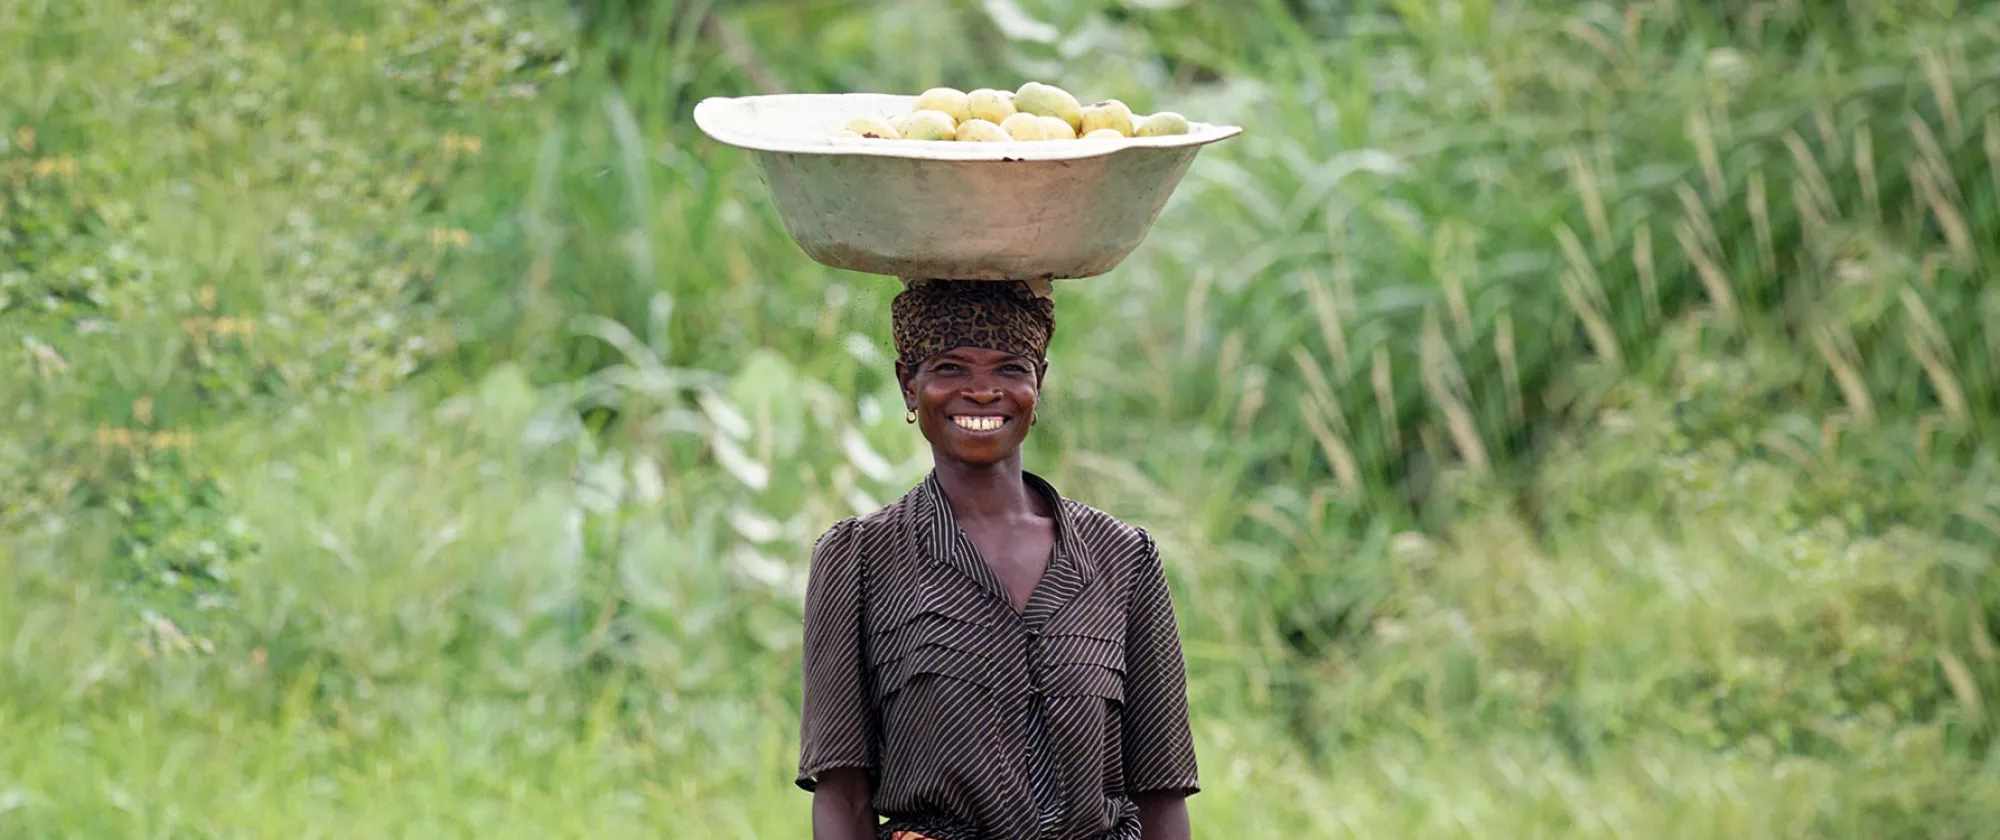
(850, 532)
(1104, 535)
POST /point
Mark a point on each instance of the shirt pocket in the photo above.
(1084, 663)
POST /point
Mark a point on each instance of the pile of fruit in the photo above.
(1035, 112)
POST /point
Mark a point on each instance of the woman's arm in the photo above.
(837, 737)
(1163, 816)
(1160, 767)
(842, 809)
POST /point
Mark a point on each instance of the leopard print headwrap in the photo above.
(932, 316)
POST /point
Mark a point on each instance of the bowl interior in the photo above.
(805, 123)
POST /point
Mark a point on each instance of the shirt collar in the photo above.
(936, 532)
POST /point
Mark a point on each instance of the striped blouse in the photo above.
(977, 721)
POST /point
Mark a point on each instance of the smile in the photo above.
(978, 423)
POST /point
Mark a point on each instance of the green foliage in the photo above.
(1559, 419)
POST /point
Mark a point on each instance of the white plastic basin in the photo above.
(921, 209)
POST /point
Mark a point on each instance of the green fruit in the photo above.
(1055, 129)
(951, 101)
(982, 131)
(1105, 134)
(1049, 101)
(870, 125)
(993, 106)
(1024, 127)
(1162, 124)
(929, 125)
(1109, 114)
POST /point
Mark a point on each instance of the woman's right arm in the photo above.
(837, 737)
(841, 806)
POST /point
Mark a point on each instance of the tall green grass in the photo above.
(1559, 420)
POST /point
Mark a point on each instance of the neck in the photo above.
(985, 491)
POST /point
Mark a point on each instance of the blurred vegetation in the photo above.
(1560, 419)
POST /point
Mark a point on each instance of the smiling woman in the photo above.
(984, 659)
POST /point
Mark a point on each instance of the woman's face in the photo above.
(974, 405)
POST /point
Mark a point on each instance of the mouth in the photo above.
(980, 424)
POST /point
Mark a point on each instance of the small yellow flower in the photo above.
(455, 142)
(208, 297)
(142, 410)
(357, 43)
(450, 237)
(25, 138)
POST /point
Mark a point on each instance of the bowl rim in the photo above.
(717, 116)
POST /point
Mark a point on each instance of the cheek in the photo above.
(933, 396)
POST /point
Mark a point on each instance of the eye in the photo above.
(947, 367)
(1014, 369)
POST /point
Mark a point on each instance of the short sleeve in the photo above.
(1159, 746)
(837, 726)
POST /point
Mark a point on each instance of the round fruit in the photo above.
(870, 125)
(993, 106)
(1109, 114)
(1049, 101)
(929, 125)
(1162, 124)
(982, 131)
(1055, 129)
(1024, 127)
(952, 101)
(1104, 134)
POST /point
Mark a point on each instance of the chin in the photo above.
(979, 453)
(980, 457)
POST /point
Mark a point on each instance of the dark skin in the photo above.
(1010, 524)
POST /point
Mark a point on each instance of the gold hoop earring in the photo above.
(910, 416)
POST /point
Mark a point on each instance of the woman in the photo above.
(985, 660)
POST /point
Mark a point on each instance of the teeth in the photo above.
(978, 424)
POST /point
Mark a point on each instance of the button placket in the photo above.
(1032, 642)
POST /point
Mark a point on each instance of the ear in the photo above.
(906, 381)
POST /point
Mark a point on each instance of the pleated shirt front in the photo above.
(978, 721)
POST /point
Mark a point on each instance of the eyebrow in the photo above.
(954, 356)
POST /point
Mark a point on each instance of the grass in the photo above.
(1559, 420)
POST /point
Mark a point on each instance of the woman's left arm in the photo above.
(1159, 746)
(1163, 816)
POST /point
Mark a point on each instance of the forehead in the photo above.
(977, 356)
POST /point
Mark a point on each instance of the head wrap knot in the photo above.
(932, 316)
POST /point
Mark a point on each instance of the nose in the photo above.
(984, 395)
(981, 388)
